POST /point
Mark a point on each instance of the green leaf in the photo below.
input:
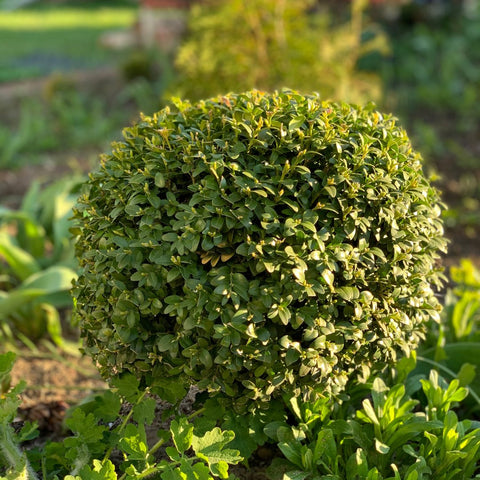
(348, 293)
(30, 235)
(291, 453)
(164, 342)
(45, 286)
(381, 447)
(325, 446)
(328, 276)
(331, 190)
(467, 374)
(50, 280)
(370, 412)
(144, 412)
(102, 470)
(104, 406)
(159, 180)
(85, 428)
(296, 475)
(22, 263)
(210, 447)
(54, 326)
(169, 389)
(182, 434)
(127, 387)
(357, 465)
(7, 361)
(296, 122)
(133, 442)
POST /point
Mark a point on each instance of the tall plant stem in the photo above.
(13, 457)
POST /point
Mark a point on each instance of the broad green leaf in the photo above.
(50, 280)
(102, 470)
(15, 299)
(37, 287)
(182, 434)
(291, 453)
(370, 412)
(105, 406)
(159, 180)
(85, 428)
(169, 389)
(164, 342)
(328, 276)
(144, 412)
(133, 442)
(296, 475)
(357, 465)
(30, 235)
(127, 386)
(348, 293)
(62, 243)
(210, 447)
(325, 446)
(381, 447)
(22, 263)
(467, 374)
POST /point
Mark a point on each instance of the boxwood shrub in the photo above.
(257, 243)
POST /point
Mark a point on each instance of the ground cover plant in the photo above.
(381, 432)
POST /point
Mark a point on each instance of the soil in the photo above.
(53, 385)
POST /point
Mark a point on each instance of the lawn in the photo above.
(39, 41)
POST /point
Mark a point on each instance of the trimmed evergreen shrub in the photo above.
(255, 244)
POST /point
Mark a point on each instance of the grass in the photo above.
(47, 39)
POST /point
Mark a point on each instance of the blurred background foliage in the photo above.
(282, 44)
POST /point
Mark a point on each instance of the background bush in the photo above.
(272, 44)
(254, 244)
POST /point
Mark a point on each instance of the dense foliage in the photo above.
(256, 243)
(100, 431)
(270, 44)
(383, 431)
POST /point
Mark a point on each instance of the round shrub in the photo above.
(254, 244)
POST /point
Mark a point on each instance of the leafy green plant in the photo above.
(254, 244)
(453, 344)
(98, 431)
(37, 261)
(271, 44)
(391, 436)
(461, 316)
(10, 454)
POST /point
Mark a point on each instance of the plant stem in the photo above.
(196, 413)
(124, 423)
(156, 446)
(12, 455)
